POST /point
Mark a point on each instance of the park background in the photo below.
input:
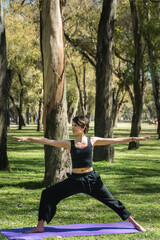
(113, 80)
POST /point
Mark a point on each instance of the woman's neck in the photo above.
(81, 138)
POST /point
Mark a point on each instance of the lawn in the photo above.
(133, 178)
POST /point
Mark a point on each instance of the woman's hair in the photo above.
(82, 121)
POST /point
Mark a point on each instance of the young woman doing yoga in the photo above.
(83, 178)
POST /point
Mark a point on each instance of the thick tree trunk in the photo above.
(138, 78)
(5, 81)
(57, 161)
(104, 100)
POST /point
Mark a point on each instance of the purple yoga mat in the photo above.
(71, 230)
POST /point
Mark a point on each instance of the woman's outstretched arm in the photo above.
(45, 141)
(97, 141)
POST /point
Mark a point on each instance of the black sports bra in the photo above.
(81, 157)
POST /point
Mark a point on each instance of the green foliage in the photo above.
(148, 18)
(149, 102)
(81, 19)
(123, 38)
(81, 22)
(23, 50)
(133, 178)
(22, 37)
(151, 28)
(72, 90)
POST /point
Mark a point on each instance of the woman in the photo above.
(83, 179)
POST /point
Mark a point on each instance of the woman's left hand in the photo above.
(137, 139)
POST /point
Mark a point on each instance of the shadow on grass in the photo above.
(25, 163)
(27, 185)
(129, 176)
(25, 147)
(148, 147)
(131, 172)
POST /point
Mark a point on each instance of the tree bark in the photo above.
(5, 82)
(104, 99)
(138, 78)
(39, 121)
(57, 160)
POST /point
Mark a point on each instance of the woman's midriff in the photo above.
(82, 170)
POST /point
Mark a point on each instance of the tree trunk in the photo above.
(39, 121)
(57, 160)
(79, 89)
(117, 104)
(5, 82)
(21, 120)
(72, 110)
(153, 57)
(104, 99)
(17, 109)
(155, 82)
(84, 91)
(27, 115)
(138, 78)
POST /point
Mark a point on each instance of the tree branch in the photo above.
(126, 87)
(119, 56)
(23, 1)
(80, 50)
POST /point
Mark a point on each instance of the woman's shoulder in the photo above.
(64, 144)
(93, 140)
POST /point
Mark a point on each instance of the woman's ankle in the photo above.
(40, 224)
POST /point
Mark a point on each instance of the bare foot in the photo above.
(140, 228)
(35, 230)
(136, 225)
(38, 229)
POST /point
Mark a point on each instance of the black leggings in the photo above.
(89, 183)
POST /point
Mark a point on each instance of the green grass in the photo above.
(133, 178)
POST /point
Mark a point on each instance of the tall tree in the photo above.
(104, 101)
(57, 160)
(24, 57)
(139, 78)
(150, 13)
(4, 88)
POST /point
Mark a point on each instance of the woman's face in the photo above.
(76, 129)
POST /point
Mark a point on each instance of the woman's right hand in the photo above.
(21, 139)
